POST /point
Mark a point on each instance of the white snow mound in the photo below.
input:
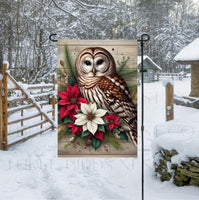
(166, 81)
(189, 53)
(185, 144)
(6, 63)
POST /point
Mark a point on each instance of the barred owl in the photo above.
(99, 83)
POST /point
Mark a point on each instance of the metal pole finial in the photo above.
(50, 37)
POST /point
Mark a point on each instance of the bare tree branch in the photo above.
(42, 5)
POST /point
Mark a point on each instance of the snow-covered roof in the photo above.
(189, 53)
(139, 60)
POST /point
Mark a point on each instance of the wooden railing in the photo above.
(173, 76)
(26, 101)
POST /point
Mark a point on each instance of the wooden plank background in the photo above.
(119, 49)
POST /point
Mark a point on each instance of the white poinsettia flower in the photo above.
(90, 117)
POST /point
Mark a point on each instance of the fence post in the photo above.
(1, 115)
(5, 114)
(41, 107)
(169, 102)
(53, 99)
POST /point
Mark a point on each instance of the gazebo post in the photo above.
(195, 80)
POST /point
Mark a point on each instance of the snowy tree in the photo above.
(26, 26)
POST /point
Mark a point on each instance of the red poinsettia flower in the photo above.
(70, 100)
(113, 121)
(98, 135)
(75, 129)
(72, 115)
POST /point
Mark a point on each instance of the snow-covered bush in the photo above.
(176, 158)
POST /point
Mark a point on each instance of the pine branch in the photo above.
(122, 64)
(128, 73)
(110, 139)
(71, 68)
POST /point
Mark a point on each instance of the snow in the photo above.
(139, 60)
(6, 63)
(185, 145)
(166, 81)
(1, 77)
(10, 84)
(189, 53)
(8, 71)
(32, 170)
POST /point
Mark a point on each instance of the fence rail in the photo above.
(173, 76)
(26, 100)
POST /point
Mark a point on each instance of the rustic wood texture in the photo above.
(128, 150)
(20, 108)
(22, 116)
(18, 86)
(169, 102)
(119, 49)
(4, 117)
(1, 115)
(28, 127)
(31, 136)
(41, 107)
(21, 119)
(195, 80)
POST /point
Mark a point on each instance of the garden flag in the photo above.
(97, 98)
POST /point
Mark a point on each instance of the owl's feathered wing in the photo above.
(117, 100)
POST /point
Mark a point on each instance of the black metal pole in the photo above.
(50, 37)
(144, 38)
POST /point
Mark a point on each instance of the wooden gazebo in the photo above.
(189, 55)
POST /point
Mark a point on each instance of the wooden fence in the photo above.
(178, 76)
(13, 121)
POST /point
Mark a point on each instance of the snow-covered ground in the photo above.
(31, 170)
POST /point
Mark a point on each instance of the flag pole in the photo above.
(144, 38)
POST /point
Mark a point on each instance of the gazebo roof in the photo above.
(189, 54)
(145, 57)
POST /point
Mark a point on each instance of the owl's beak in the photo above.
(94, 70)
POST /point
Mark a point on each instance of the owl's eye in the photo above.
(87, 62)
(99, 62)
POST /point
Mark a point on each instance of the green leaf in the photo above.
(68, 129)
(67, 120)
(72, 80)
(123, 136)
(120, 120)
(78, 111)
(99, 106)
(85, 133)
(96, 143)
(66, 145)
(60, 121)
(105, 121)
(101, 128)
